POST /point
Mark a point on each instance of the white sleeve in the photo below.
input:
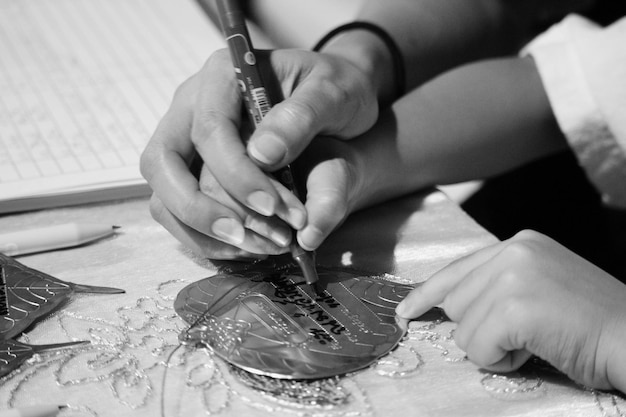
(583, 69)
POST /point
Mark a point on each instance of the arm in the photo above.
(432, 35)
(472, 122)
(325, 94)
(435, 36)
(433, 39)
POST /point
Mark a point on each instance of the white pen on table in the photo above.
(55, 237)
(33, 411)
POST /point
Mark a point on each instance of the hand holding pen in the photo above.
(229, 218)
(258, 103)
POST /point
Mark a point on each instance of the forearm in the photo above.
(433, 36)
(473, 122)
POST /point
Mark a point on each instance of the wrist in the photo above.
(381, 166)
(373, 51)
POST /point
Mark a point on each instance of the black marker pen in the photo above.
(258, 103)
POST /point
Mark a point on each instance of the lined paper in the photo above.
(83, 84)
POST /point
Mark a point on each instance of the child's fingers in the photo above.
(490, 341)
(436, 288)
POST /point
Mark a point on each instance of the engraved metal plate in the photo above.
(28, 295)
(14, 353)
(273, 324)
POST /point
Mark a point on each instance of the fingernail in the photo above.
(297, 218)
(401, 309)
(310, 238)
(281, 236)
(267, 149)
(229, 229)
(402, 323)
(244, 255)
(262, 202)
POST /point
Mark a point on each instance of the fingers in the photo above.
(512, 361)
(199, 243)
(486, 296)
(209, 226)
(177, 200)
(214, 244)
(329, 97)
(291, 125)
(164, 162)
(239, 206)
(328, 189)
(271, 228)
(527, 295)
(435, 289)
(216, 136)
(488, 338)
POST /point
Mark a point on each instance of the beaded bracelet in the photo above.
(396, 55)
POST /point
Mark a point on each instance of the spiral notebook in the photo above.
(83, 85)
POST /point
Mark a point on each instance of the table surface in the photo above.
(134, 336)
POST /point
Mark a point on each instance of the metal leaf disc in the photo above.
(273, 324)
(28, 295)
(14, 353)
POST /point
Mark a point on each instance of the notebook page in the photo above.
(83, 84)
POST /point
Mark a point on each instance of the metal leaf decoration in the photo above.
(273, 324)
(27, 295)
(14, 353)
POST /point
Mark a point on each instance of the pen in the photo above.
(258, 103)
(52, 237)
(34, 411)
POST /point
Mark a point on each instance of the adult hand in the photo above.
(233, 211)
(530, 295)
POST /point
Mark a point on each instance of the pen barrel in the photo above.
(255, 95)
(257, 102)
(284, 175)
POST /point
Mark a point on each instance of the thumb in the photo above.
(326, 203)
(315, 107)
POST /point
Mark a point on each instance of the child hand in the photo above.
(530, 295)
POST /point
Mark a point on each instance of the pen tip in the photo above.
(116, 227)
(307, 265)
(310, 274)
(317, 288)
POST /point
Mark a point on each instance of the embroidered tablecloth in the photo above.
(132, 367)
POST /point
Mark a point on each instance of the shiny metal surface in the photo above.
(14, 353)
(28, 295)
(273, 324)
